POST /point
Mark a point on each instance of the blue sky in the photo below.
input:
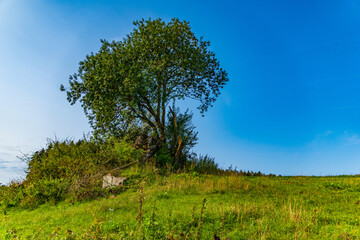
(291, 107)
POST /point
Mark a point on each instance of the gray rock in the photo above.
(111, 181)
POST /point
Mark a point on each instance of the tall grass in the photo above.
(173, 207)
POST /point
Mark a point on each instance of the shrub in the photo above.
(68, 169)
(204, 165)
(207, 165)
(12, 194)
(163, 157)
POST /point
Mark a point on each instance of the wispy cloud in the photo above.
(9, 157)
(323, 137)
(337, 138)
(350, 138)
(11, 170)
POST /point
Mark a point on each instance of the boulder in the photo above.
(111, 181)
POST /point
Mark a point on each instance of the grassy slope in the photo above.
(236, 207)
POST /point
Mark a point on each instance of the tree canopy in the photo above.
(133, 81)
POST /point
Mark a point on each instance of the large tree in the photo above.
(131, 82)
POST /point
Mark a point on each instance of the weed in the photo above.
(200, 223)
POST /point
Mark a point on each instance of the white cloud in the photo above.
(350, 138)
(11, 167)
(335, 138)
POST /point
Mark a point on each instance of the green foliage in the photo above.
(45, 190)
(129, 83)
(339, 186)
(181, 136)
(204, 165)
(11, 195)
(207, 165)
(164, 157)
(70, 160)
(68, 170)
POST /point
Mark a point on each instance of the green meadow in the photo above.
(195, 206)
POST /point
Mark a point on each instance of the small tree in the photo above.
(181, 135)
(130, 83)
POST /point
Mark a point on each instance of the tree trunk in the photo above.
(152, 146)
(178, 152)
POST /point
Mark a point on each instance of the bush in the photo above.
(43, 191)
(69, 159)
(12, 194)
(207, 165)
(163, 157)
(204, 165)
(68, 170)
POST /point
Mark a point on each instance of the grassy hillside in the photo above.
(193, 206)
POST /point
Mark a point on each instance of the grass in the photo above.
(192, 206)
